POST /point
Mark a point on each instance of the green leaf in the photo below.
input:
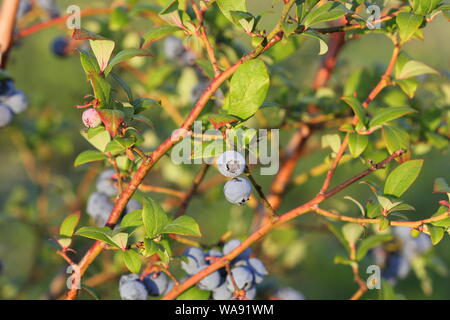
(444, 222)
(102, 50)
(158, 33)
(112, 119)
(97, 233)
(84, 34)
(102, 89)
(125, 55)
(124, 86)
(183, 225)
(89, 63)
(154, 218)
(415, 68)
(371, 242)
(357, 143)
(323, 46)
(172, 15)
(68, 225)
(338, 259)
(329, 11)
(357, 108)
(132, 219)
(141, 104)
(395, 138)
(304, 7)
(408, 24)
(132, 260)
(121, 239)
(402, 177)
(436, 234)
(194, 293)
(99, 140)
(333, 141)
(352, 232)
(424, 7)
(409, 86)
(388, 114)
(119, 145)
(248, 89)
(151, 247)
(361, 208)
(88, 156)
(227, 6)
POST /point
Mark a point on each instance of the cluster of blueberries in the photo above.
(49, 6)
(246, 272)
(231, 164)
(395, 258)
(100, 204)
(12, 101)
(132, 287)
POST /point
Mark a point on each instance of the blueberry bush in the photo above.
(225, 150)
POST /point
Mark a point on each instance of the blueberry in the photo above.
(213, 253)
(99, 207)
(6, 88)
(17, 101)
(258, 268)
(222, 293)
(49, 6)
(24, 7)
(91, 118)
(6, 115)
(243, 277)
(211, 281)
(169, 288)
(231, 163)
(173, 48)
(60, 46)
(156, 283)
(194, 259)
(397, 267)
(237, 190)
(233, 244)
(287, 293)
(106, 183)
(198, 90)
(132, 289)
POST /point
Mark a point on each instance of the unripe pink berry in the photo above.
(91, 118)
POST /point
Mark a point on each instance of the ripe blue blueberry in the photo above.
(6, 115)
(99, 207)
(222, 293)
(231, 163)
(194, 259)
(130, 288)
(233, 244)
(214, 254)
(60, 46)
(243, 277)
(17, 101)
(49, 6)
(169, 288)
(106, 183)
(156, 283)
(237, 190)
(397, 266)
(6, 88)
(91, 118)
(287, 293)
(24, 7)
(211, 281)
(258, 268)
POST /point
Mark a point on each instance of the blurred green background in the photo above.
(45, 140)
